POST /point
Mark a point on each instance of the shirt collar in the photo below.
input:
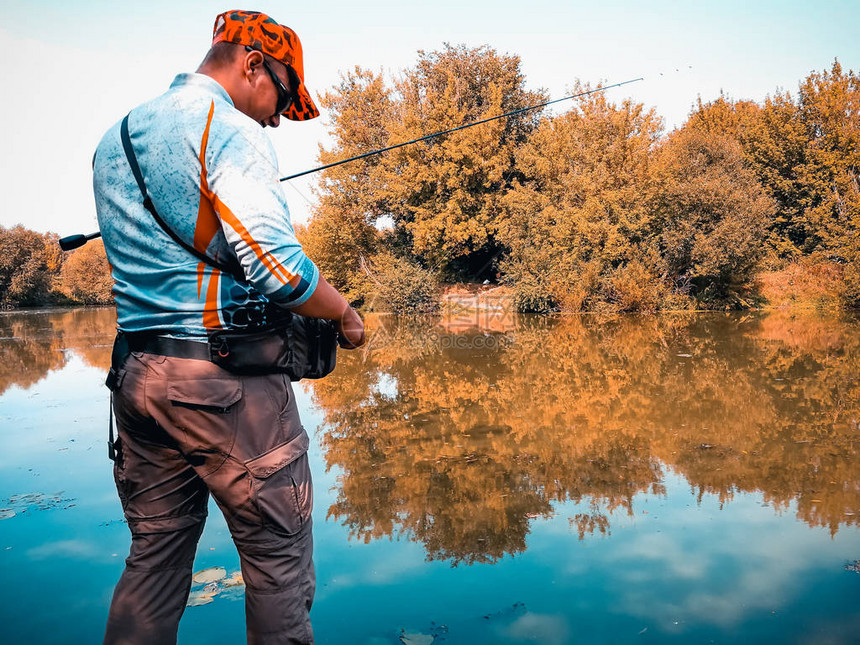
(203, 82)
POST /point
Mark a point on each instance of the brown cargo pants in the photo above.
(188, 428)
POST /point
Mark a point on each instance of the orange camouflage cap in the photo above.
(259, 31)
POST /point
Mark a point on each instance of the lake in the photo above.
(685, 478)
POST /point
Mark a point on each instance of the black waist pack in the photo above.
(300, 347)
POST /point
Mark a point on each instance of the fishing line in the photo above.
(303, 196)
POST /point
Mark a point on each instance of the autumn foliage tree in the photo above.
(830, 109)
(597, 207)
(579, 212)
(343, 230)
(34, 271)
(445, 196)
(437, 201)
(29, 261)
(804, 150)
(85, 276)
(712, 214)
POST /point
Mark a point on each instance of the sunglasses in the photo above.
(285, 97)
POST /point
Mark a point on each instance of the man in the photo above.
(186, 427)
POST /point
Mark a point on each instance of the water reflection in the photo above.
(460, 438)
(460, 441)
(468, 442)
(34, 344)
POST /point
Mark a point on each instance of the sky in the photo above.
(71, 69)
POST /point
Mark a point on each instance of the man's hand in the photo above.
(350, 329)
(326, 302)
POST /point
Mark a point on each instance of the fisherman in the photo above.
(186, 426)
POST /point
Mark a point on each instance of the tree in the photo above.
(776, 144)
(342, 230)
(774, 141)
(439, 199)
(712, 214)
(29, 261)
(445, 195)
(582, 210)
(806, 153)
(830, 110)
(591, 209)
(86, 275)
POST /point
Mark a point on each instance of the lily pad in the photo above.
(200, 597)
(235, 580)
(35, 501)
(232, 593)
(212, 574)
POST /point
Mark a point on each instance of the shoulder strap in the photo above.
(234, 271)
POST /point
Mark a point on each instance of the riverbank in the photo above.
(802, 285)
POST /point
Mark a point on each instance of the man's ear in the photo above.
(252, 61)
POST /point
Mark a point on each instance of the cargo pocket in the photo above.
(281, 485)
(212, 395)
(203, 410)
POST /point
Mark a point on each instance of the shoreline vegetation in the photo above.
(745, 206)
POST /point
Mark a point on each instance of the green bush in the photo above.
(401, 286)
(636, 286)
(531, 296)
(851, 284)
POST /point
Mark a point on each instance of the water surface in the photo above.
(688, 478)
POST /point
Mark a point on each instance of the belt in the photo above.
(163, 346)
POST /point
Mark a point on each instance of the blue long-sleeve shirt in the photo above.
(212, 175)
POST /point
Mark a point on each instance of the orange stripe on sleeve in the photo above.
(268, 260)
(209, 210)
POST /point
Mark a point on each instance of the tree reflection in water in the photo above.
(460, 441)
(32, 344)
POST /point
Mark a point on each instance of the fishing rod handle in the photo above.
(71, 242)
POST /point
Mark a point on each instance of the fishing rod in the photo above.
(459, 127)
(74, 241)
